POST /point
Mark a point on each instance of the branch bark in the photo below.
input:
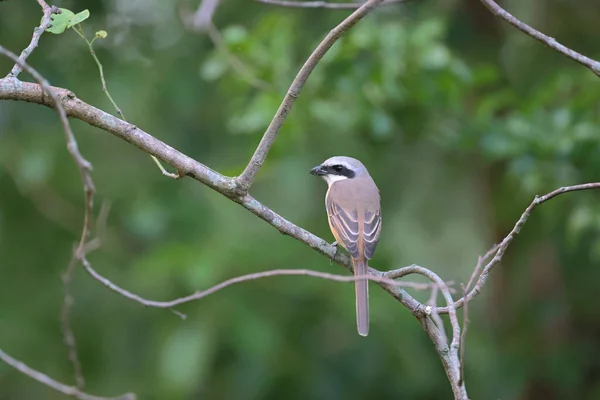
(448, 355)
(587, 62)
(323, 4)
(13, 89)
(37, 33)
(500, 249)
(51, 383)
(260, 154)
(66, 104)
(251, 277)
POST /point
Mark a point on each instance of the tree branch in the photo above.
(323, 4)
(68, 301)
(249, 277)
(84, 166)
(260, 154)
(500, 249)
(59, 387)
(13, 89)
(37, 33)
(66, 104)
(593, 65)
(85, 169)
(449, 356)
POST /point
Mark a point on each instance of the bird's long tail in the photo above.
(362, 297)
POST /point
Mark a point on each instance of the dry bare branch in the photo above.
(37, 33)
(65, 322)
(448, 355)
(51, 383)
(500, 249)
(593, 65)
(480, 261)
(244, 181)
(243, 278)
(432, 302)
(323, 4)
(84, 166)
(68, 301)
(13, 89)
(236, 190)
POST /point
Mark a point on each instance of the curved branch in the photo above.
(59, 387)
(500, 249)
(449, 356)
(13, 89)
(244, 278)
(433, 277)
(593, 65)
(323, 4)
(260, 154)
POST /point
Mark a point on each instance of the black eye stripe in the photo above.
(341, 170)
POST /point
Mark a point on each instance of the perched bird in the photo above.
(353, 208)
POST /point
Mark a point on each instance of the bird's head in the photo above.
(339, 168)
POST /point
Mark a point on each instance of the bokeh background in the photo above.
(461, 120)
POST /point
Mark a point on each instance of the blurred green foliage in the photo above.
(461, 120)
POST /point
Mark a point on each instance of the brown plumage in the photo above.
(353, 209)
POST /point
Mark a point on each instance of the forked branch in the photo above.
(260, 154)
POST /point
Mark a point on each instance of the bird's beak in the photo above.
(318, 171)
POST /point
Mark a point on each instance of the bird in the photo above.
(353, 209)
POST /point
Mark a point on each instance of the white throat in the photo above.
(330, 179)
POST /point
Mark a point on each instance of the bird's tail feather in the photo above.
(362, 297)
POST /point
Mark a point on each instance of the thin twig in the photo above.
(51, 383)
(593, 65)
(432, 302)
(79, 30)
(448, 356)
(84, 166)
(432, 276)
(12, 89)
(239, 279)
(37, 33)
(204, 15)
(65, 324)
(501, 248)
(244, 181)
(323, 4)
(480, 261)
(68, 301)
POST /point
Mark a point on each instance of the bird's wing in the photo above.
(345, 222)
(372, 229)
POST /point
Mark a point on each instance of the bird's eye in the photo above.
(338, 168)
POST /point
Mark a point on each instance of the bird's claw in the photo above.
(334, 244)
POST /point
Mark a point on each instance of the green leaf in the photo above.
(101, 34)
(79, 18)
(60, 21)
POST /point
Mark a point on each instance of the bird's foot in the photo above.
(334, 244)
